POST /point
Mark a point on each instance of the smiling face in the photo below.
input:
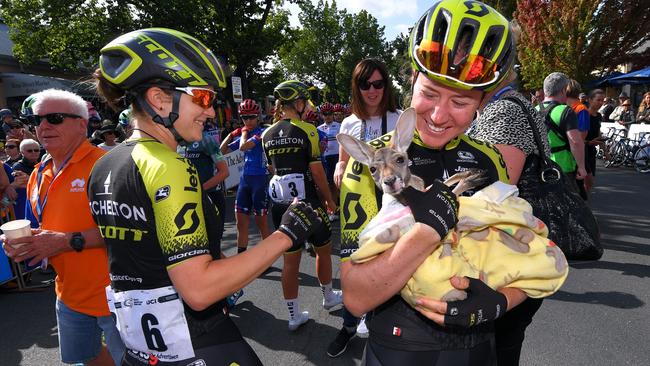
(191, 118)
(443, 113)
(372, 97)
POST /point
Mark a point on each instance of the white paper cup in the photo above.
(17, 229)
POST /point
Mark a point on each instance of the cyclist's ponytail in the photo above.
(112, 94)
(278, 111)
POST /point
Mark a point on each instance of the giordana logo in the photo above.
(77, 185)
(162, 193)
(465, 155)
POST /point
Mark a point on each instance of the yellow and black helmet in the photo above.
(160, 54)
(463, 44)
(290, 90)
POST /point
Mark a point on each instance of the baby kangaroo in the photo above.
(389, 167)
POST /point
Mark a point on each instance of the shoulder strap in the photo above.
(384, 126)
(544, 160)
(548, 120)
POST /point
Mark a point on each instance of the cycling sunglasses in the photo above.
(10, 146)
(473, 71)
(53, 118)
(33, 150)
(377, 84)
(328, 113)
(200, 96)
(248, 116)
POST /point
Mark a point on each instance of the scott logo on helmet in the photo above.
(475, 8)
(176, 69)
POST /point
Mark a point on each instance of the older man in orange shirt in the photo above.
(67, 234)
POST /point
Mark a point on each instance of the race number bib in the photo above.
(283, 189)
(152, 321)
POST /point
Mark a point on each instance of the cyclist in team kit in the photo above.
(292, 150)
(252, 195)
(331, 129)
(461, 52)
(168, 281)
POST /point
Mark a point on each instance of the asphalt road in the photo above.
(599, 317)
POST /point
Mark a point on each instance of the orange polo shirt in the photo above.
(81, 277)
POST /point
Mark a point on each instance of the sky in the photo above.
(396, 15)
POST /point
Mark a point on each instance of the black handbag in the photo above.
(571, 224)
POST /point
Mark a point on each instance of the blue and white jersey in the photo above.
(331, 130)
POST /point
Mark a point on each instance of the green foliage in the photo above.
(70, 33)
(329, 44)
(580, 37)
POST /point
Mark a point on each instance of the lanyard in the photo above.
(384, 127)
(39, 179)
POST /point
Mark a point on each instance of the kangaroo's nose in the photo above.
(389, 180)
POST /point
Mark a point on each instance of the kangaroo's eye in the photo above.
(400, 160)
(373, 170)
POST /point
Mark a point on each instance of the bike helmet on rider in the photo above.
(248, 107)
(337, 108)
(291, 90)
(463, 44)
(165, 58)
(326, 108)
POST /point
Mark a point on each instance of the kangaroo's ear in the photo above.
(404, 130)
(359, 150)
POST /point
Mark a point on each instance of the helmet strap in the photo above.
(168, 121)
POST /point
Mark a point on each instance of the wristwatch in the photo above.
(77, 241)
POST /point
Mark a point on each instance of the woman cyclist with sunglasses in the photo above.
(168, 281)
(293, 153)
(461, 53)
(252, 195)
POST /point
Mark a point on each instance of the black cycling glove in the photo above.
(437, 207)
(481, 305)
(299, 222)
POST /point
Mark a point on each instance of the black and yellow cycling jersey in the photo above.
(360, 202)
(152, 213)
(290, 147)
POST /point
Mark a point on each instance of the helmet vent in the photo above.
(190, 55)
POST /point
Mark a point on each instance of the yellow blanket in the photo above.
(497, 240)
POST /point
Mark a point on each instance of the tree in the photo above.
(329, 44)
(70, 33)
(580, 37)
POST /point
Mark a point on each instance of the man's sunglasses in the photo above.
(16, 127)
(33, 150)
(10, 146)
(53, 118)
(327, 113)
(200, 96)
(249, 116)
(377, 84)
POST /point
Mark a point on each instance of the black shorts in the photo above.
(377, 355)
(233, 353)
(330, 167)
(319, 238)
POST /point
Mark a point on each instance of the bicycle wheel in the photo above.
(642, 159)
(616, 155)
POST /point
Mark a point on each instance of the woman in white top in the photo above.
(374, 114)
(374, 111)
